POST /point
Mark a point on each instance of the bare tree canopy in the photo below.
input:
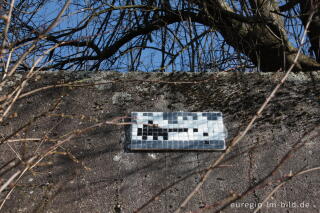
(162, 35)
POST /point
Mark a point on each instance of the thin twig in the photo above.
(28, 140)
(4, 186)
(268, 197)
(288, 177)
(20, 175)
(6, 28)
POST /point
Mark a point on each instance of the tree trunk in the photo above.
(261, 37)
(307, 6)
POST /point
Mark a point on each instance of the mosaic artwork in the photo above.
(177, 131)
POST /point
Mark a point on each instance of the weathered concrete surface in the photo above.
(120, 181)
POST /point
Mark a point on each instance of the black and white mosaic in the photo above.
(177, 131)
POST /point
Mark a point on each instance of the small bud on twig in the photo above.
(4, 17)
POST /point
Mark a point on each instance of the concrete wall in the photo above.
(97, 175)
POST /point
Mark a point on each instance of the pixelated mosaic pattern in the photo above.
(177, 131)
